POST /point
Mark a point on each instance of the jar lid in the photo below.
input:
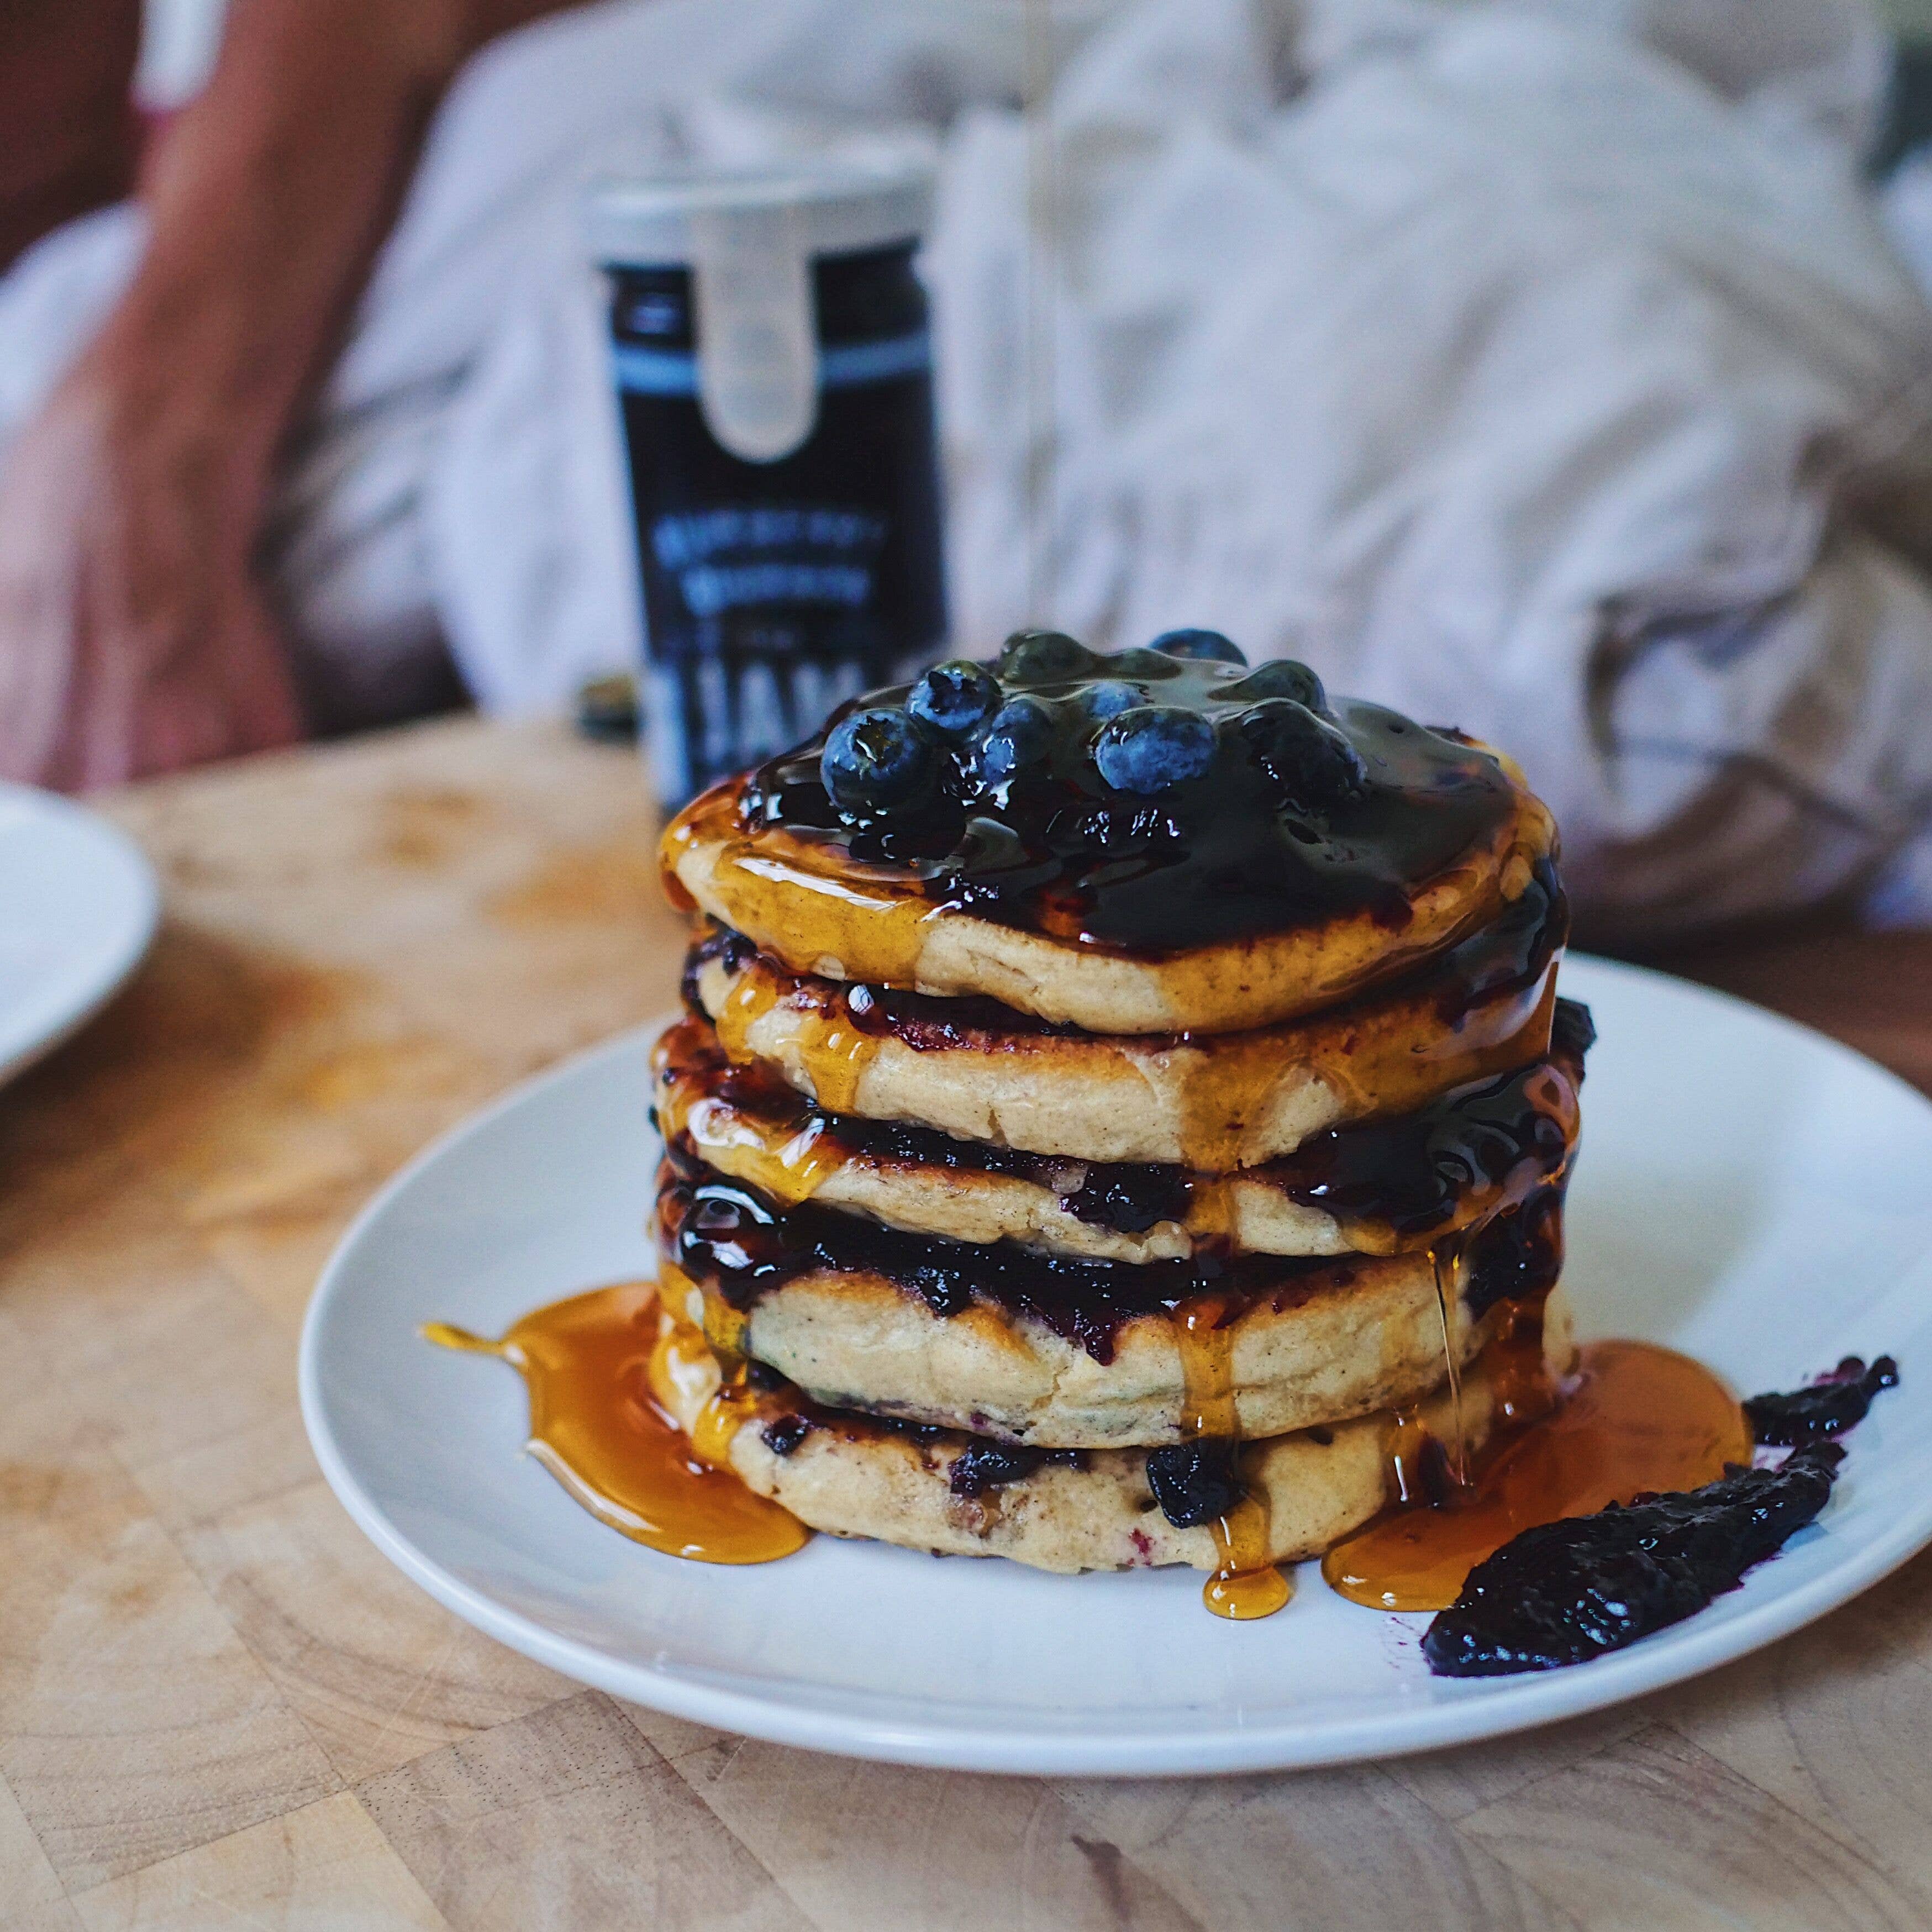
(750, 238)
(656, 220)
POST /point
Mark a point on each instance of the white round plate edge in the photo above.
(1485, 1708)
(117, 964)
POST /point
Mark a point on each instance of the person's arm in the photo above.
(133, 638)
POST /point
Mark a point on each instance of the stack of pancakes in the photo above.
(1103, 1176)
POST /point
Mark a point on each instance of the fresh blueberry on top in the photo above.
(1108, 698)
(1312, 763)
(1045, 657)
(875, 759)
(956, 697)
(1021, 734)
(1153, 746)
(1198, 644)
(1283, 677)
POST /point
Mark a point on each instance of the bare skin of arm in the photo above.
(134, 638)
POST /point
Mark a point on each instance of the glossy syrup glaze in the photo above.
(589, 1364)
(1634, 1419)
(1053, 848)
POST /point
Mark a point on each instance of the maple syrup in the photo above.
(1244, 1585)
(1634, 1419)
(596, 1426)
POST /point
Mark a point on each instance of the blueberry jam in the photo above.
(1566, 1591)
(1153, 799)
(735, 1240)
(1410, 1173)
(1822, 1409)
(981, 1466)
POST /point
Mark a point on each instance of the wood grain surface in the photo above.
(220, 1707)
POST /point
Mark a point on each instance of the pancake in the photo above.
(952, 1494)
(1061, 1353)
(975, 1071)
(1255, 852)
(828, 915)
(1378, 1188)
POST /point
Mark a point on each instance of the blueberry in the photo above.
(1045, 657)
(1209, 645)
(1153, 746)
(1108, 698)
(876, 759)
(956, 697)
(1311, 763)
(1021, 733)
(981, 1466)
(1284, 677)
(783, 1434)
(1194, 1483)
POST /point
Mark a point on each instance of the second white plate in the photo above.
(78, 905)
(1748, 1192)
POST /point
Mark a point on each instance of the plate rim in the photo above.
(1485, 1708)
(117, 965)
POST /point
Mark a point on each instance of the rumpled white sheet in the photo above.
(1541, 368)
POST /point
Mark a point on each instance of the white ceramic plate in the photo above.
(78, 904)
(1748, 1191)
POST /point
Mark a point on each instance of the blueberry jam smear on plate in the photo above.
(1567, 1591)
(1822, 1408)
(1151, 799)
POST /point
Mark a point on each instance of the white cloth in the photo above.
(1541, 368)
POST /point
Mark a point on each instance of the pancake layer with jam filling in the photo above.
(1024, 1347)
(976, 1071)
(1275, 875)
(852, 1474)
(1382, 1187)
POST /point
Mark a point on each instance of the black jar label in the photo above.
(775, 591)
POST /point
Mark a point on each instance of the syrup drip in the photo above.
(831, 1051)
(588, 1364)
(1451, 1261)
(1245, 1585)
(1635, 1419)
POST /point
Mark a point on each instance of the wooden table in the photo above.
(220, 1707)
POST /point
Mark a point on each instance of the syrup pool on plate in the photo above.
(586, 1362)
(1633, 1420)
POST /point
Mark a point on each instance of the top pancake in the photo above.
(1250, 893)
